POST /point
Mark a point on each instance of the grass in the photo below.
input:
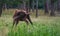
(42, 26)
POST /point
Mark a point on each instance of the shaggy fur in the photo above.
(21, 15)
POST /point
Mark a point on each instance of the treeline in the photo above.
(15, 3)
(32, 4)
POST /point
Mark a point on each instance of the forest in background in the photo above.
(47, 5)
(15, 3)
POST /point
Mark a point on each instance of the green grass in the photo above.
(42, 26)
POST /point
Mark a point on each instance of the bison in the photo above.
(21, 15)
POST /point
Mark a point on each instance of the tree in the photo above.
(52, 13)
(36, 8)
(29, 4)
(58, 5)
(4, 6)
(46, 6)
(1, 4)
(33, 5)
(24, 4)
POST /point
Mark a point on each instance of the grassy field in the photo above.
(42, 26)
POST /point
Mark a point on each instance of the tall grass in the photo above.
(42, 26)
(37, 30)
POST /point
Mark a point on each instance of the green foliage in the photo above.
(16, 2)
(41, 3)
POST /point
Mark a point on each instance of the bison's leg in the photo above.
(17, 22)
(13, 23)
(28, 17)
(26, 21)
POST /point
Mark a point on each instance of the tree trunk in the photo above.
(0, 10)
(52, 13)
(4, 6)
(29, 4)
(58, 5)
(24, 4)
(1, 4)
(46, 7)
(36, 8)
(33, 5)
(19, 6)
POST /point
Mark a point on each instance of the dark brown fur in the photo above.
(21, 16)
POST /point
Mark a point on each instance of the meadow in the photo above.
(42, 26)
